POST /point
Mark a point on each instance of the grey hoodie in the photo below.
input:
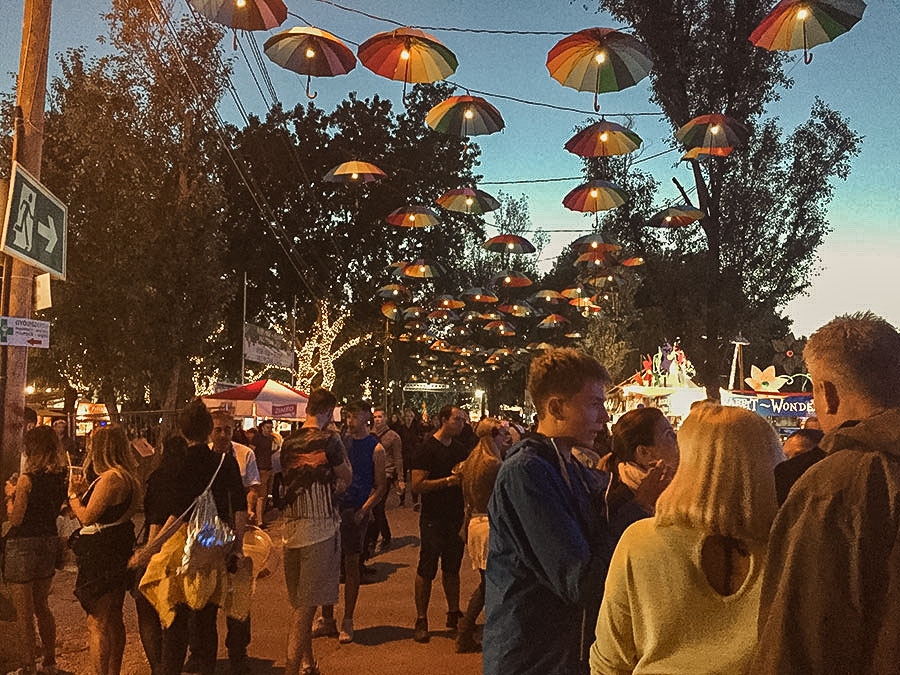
(831, 592)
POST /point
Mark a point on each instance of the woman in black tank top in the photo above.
(32, 505)
(105, 542)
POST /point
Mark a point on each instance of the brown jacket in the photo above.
(831, 592)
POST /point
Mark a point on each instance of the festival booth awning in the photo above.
(265, 398)
(771, 404)
(679, 399)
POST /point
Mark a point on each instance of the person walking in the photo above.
(264, 446)
(393, 467)
(441, 517)
(105, 541)
(313, 464)
(32, 545)
(698, 563)
(410, 431)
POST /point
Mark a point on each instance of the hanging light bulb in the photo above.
(412, 217)
(802, 13)
(594, 244)
(510, 246)
(396, 292)
(478, 296)
(597, 262)
(240, 3)
(604, 137)
(507, 280)
(422, 268)
(594, 193)
(469, 114)
(668, 219)
(609, 278)
(469, 201)
(310, 53)
(354, 176)
(714, 129)
(446, 303)
(600, 57)
(404, 55)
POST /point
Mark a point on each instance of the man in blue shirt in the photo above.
(549, 545)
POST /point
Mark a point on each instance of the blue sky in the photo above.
(857, 74)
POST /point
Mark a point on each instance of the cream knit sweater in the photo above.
(660, 615)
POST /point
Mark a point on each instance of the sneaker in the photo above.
(323, 627)
(420, 632)
(453, 619)
(417, 507)
(346, 634)
(311, 670)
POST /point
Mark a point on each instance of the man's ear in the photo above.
(832, 399)
(642, 455)
(555, 407)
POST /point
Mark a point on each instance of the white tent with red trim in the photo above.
(265, 398)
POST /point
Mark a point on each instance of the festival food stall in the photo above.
(267, 399)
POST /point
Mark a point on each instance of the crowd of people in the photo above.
(635, 549)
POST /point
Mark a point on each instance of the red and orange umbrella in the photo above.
(599, 60)
(713, 134)
(500, 327)
(679, 215)
(508, 243)
(802, 24)
(413, 216)
(512, 279)
(574, 292)
(595, 195)
(393, 291)
(407, 55)
(243, 14)
(448, 302)
(597, 257)
(467, 200)
(632, 262)
(553, 321)
(603, 139)
(519, 309)
(350, 172)
(390, 311)
(464, 116)
(548, 296)
(310, 51)
(423, 269)
(480, 295)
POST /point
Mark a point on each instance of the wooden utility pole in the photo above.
(18, 277)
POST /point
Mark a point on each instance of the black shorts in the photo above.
(352, 533)
(439, 541)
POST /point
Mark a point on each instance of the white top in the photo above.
(660, 614)
(246, 463)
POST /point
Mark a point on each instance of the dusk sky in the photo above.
(857, 74)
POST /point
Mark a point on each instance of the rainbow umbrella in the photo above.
(390, 311)
(448, 302)
(603, 139)
(500, 327)
(479, 295)
(512, 279)
(704, 153)
(413, 312)
(442, 315)
(508, 243)
(422, 269)
(593, 242)
(310, 51)
(349, 172)
(393, 291)
(632, 262)
(464, 116)
(407, 54)
(539, 346)
(597, 257)
(553, 321)
(574, 292)
(679, 215)
(802, 24)
(714, 134)
(548, 296)
(520, 309)
(595, 195)
(243, 14)
(599, 60)
(412, 216)
(574, 336)
(467, 200)
(582, 302)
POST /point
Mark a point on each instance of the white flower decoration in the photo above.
(765, 380)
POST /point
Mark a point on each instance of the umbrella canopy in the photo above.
(408, 55)
(519, 309)
(390, 311)
(548, 296)
(675, 216)
(349, 172)
(422, 269)
(582, 302)
(802, 24)
(464, 116)
(508, 243)
(553, 321)
(513, 279)
(243, 14)
(480, 295)
(632, 262)
(264, 398)
(443, 315)
(500, 327)
(574, 292)
(603, 139)
(593, 242)
(413, 312)
(310, 51)
(448, 302)
(413, 216)
(467, 200)
(598, 257)
(393, 291)
(599, 60)
(714, 134)
(595, 195)
(574, 336)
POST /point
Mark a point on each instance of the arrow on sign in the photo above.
(33, 341)
(48, 232)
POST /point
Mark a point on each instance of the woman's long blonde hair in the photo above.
(110, 450)
(724, 483)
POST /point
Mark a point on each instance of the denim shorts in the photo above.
(28, 559)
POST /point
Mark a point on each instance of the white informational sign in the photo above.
(18, 332)
(426, 386)
(267, 346)
(42, 299)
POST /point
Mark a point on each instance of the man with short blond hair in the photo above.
(831, 593)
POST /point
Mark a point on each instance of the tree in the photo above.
(764, 205)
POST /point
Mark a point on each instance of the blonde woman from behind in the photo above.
(682, 594)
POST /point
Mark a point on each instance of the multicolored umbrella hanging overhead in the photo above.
(349, 172)
(713, 134)
(390, 311)
(448, 302)
(803, 24)
(603, 139)
(548, 296)
(467, 200)
(519, 309)
(679, 215)
(600, 258)
(595, 195)
(310, 51)
(512, 279)
(480, 295)
(243, 14)
(393, 291)
(413, 216)
(464, 116)
(408, 55)
(553, 321)
(599, 60)
(508, 243)
(500, 327)
(423, 269)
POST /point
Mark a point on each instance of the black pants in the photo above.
(204, 642)
(379, 523)
(236, 640)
